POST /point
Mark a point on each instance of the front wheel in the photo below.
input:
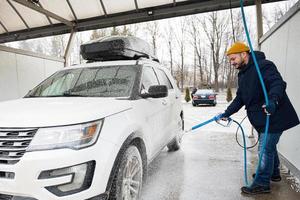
(129, 177)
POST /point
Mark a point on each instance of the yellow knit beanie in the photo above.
(237, 47)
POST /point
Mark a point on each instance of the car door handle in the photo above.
(164, 102)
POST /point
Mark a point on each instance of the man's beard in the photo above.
(241, 65)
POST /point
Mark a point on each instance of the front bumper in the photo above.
(26, 183)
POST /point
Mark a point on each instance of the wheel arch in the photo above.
(132, 139)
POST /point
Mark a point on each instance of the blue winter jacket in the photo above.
(251, 95)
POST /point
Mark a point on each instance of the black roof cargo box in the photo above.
(116, 48)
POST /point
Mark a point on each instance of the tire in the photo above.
(129, 177)
(174, 145)
(194, 104)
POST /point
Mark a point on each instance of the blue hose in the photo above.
(245, 152)
(265, 95)
(216, 118)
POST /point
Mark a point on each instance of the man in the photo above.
(250, 94)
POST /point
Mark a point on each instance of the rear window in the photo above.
(205, 92)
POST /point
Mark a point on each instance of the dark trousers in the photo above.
(270, 161)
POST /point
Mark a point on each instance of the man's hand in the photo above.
(271, 108)
(222, 117)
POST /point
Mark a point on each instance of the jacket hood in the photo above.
(259, 56)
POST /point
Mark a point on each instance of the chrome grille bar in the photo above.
(13, 144)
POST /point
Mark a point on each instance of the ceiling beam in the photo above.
(49, 20)
(18, 13)
(4, 27)
(103, 8)
(136, 5)
(147, 14)
(72, 10)
(45, 12)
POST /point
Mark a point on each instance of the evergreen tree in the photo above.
(187, 95)
(229, 95)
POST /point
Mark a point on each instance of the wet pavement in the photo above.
(209, 165)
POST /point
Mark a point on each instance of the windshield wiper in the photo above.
(70, 94)
(65, 94)
(31, 96)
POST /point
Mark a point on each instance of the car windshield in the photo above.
(112, 81)
(205, 92)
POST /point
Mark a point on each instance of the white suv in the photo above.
(88, 132)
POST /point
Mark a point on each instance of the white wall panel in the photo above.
(283, 47)
(278, 48)
(52, 66)
(8, 76)
(30, 72)
(291, 140)
(19, 73)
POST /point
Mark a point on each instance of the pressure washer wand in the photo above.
(215, 118)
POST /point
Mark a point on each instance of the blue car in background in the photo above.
(204, 97)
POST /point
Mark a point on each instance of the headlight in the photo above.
(74, 137)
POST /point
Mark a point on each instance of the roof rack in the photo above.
(117, 48)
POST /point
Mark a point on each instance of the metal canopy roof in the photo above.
(26, 19)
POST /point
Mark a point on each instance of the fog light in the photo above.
(82, 176)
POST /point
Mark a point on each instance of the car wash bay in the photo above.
(209, 165)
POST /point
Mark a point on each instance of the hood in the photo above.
(45, 112)
(259, 56)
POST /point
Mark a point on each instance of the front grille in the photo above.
(10, 197)
(13, 144)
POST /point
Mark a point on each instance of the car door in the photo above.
(170, 112)
(152, 112)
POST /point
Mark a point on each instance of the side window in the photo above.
(163, 79)
(149, 78)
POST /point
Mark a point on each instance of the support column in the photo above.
(69, 47)
(259, 22)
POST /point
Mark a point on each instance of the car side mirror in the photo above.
(156, 91)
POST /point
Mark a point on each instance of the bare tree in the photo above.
(59, 44)
(195, 33)
(153, 29)
(239, 35)
(25, 45)
(98, 34)
(215, 27)
(181, 40)
(169, 38)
